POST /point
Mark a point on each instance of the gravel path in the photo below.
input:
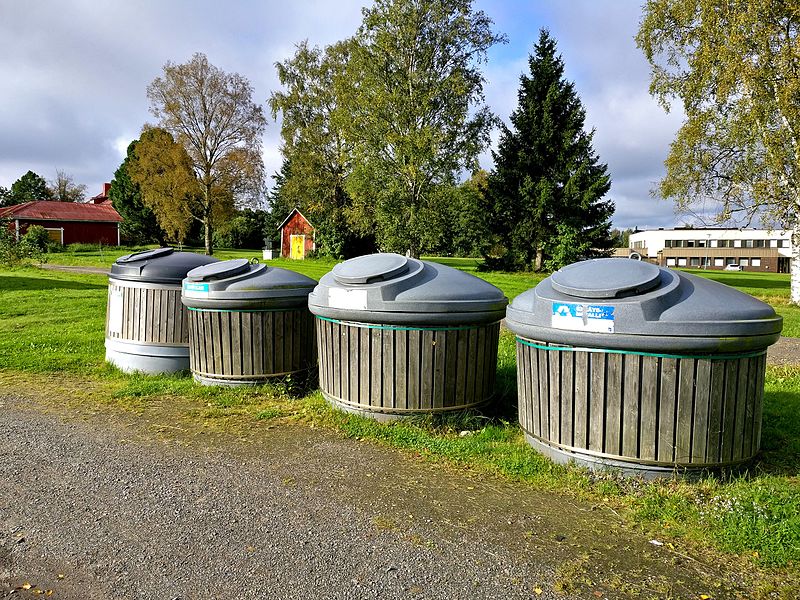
(111, 504)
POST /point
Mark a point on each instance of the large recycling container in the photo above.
(146, 327)
(248, 322)
(625, 364)
(399, 336)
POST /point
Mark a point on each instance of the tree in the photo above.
(315, 143)
(5, 196)
(139, 224)
(29, 187)
(416, 112)
(64, 189)
(546, 194)
(162, 169)
(735, 68)
(210, 113)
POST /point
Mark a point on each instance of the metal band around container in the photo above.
(246, 310)
(401, 327)
(525, 342)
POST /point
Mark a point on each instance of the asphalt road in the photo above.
(108, 503)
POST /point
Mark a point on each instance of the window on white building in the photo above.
(755, 262)
(671, 262)
(719, 262)
(745, 262)
(681, 262)
(694, 261)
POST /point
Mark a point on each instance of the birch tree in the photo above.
(734, 65)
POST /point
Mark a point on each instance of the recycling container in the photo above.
(248, 322)
(399, 336)
(624, 364)
(146, 327)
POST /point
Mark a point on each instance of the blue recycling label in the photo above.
(598, 318)
(195, 287)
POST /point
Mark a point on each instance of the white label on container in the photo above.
(195, 290)
(348, 299)
(115, 304)
(596, 318)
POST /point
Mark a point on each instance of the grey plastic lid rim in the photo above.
(160, 265)
(291, 301)
(672, 344)
(410, 319)
(145, 255)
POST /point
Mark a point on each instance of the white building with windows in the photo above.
(716, 248)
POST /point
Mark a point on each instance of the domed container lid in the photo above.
(161, 265)
(614, 303)
(393, 289)
(239, 284)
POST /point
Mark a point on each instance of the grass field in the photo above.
(51, 329)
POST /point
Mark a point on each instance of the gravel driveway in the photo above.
(108, 503)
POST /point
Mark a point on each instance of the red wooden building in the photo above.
(66, 222)
(297, 236)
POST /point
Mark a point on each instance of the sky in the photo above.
(74, 73)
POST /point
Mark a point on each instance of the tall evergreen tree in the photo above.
(139, 224)
(546, 194)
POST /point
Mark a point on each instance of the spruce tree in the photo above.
(546, 194)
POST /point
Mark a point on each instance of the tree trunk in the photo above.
(207, 227)
(795, 263)
(207, 220)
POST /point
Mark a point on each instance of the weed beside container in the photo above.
(627, 365)
(399, 336)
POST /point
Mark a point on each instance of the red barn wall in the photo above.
(76, 232)
(297, 225)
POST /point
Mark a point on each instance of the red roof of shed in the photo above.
(45, 210)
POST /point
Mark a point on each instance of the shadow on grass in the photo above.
(11, 283)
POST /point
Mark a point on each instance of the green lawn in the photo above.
(51, 328)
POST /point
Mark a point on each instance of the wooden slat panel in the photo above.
(376, 388)
(523, 393)
(566, 398)
(758, 406)
(401, 369)
(715, 401)
(613, 404)
(597, 364)
(344, 361)
(426, 342)
(228, 345)
(742, 389)
(236, 343)
(322, 354)
(729, 409)
(543, 375)
(480, 365)
(750, 402)
(554, 409)
(648, 408)
(439, 366)
(363, 367)
(388, 369)
(667, 405)
(581, 401)
(683, 427)
(414, 369)
(702, 398)
(352, 340)
(411, 339)
(461, 367)
(631, 400)
(451, 344)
